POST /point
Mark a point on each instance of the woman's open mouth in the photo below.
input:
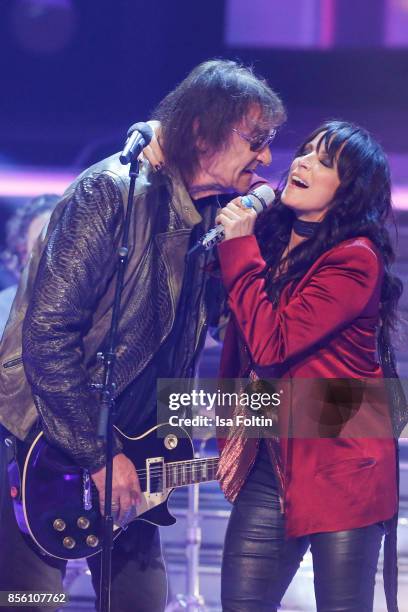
(296, 181)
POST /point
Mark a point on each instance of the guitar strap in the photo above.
(13, 470)
(10, 443)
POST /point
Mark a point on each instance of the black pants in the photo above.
(138, 574)
(259, 563)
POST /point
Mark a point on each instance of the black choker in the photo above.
(306, 229)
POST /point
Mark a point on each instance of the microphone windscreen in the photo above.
(144, 129)
(260, 198)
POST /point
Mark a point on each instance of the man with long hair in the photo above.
(216, 129)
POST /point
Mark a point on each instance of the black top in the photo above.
(136, 406)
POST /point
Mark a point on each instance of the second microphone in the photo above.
(259, 199)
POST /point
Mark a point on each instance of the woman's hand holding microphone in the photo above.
(237, 219)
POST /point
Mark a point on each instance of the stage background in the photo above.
(76, 73)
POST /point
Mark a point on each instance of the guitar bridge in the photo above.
(156, 480)
(86, 490)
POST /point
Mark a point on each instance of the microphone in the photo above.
(138, 137)
(259, 199)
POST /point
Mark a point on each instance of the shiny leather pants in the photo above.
(259, 564)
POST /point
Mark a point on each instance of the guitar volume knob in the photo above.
(69, 542)
(83, 522)
(92, 541)
(170, 441)
(59, 524)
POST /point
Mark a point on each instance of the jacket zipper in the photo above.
(199, 330)
(13, 362)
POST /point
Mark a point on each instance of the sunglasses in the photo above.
(257, 143)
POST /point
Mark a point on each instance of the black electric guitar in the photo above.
(56, 502)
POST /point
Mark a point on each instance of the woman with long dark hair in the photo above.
(312, 297)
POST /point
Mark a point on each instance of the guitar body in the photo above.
(58, 505)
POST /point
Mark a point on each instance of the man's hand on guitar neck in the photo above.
(126, 493)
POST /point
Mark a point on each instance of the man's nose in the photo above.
(264, 156)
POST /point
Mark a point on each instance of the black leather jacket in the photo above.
(62, 310)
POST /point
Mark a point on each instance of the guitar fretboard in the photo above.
(181, 473)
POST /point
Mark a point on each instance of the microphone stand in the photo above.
(107, 403)
(192, 600)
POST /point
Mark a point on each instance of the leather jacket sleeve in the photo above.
(74, 270)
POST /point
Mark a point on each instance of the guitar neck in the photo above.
(193, 471)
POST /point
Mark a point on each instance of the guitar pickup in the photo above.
(156, 481)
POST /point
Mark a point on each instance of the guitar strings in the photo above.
(188, 464)
(158, 470)
(181, 465)
(182, 469)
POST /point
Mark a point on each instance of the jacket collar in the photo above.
(182, 202)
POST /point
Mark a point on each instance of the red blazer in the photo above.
(325, 329)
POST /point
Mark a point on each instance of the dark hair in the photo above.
(361, 206)
(13, 257)
(213, 99)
